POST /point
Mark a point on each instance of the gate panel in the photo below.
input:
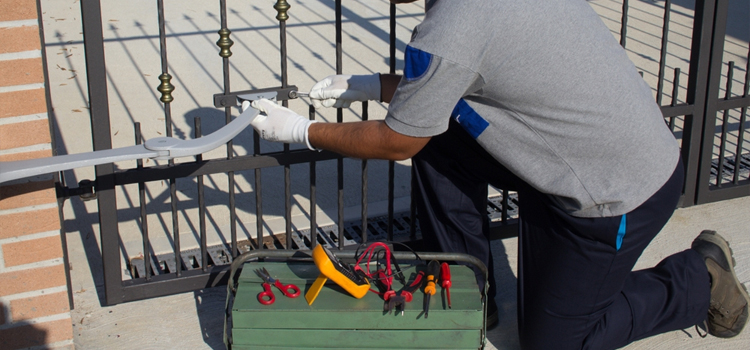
(725, 154)
(182, 204)
(169, 227)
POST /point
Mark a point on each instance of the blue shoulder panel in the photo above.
(416, 63)
(469, 119)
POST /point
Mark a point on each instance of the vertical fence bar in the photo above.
(201, 203)
(313, 194)
(391, 164)
(258, 192)
(144, 217)
(624, 23)
(282, 7)
(663, 53)
(364, 183)
(506, 203)
(225, 43)
(166, 88)
(93, 40)
(340, 119)
(715, 51)
(697, 84)
(724, 126)
(741, 129)
(675, 92)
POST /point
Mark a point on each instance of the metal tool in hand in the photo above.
(296, 94)
(266, 297)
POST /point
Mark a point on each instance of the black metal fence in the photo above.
(711, 128)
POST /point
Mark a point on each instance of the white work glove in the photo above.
(341, 90)
(276, 123)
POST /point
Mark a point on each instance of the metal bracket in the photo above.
(231, 99)
(257, 96)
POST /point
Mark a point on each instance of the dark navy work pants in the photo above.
(576, 287)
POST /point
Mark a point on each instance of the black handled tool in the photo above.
(433, 269)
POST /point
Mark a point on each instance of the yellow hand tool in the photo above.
(343, 274)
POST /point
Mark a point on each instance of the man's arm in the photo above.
(368, 139)
(388, 85)
(365, 140)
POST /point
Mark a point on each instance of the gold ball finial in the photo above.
(166, 88)
(225, 43)
(282, 7)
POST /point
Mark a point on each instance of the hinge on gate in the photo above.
(85, 190)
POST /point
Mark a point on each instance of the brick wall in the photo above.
(34, 308)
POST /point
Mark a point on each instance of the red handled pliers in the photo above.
(266, 297)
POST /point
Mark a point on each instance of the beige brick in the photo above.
(22, 134)
(28, 222)
(31, 251)
(36, 334)
(38, 306)
(16, 10)
(27, 194)
(25, 102)
(25, 155)
(21, 72)
(19, 39)
(31, 279)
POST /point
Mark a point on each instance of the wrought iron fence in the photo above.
(711, 129)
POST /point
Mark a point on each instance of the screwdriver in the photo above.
(445, 280)
(433, 269)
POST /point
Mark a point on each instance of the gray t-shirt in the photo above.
(546, 89)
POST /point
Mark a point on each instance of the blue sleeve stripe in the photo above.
(416, 63)
(469, 119)
(621, 232)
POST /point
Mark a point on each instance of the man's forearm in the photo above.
(365, 140)
(388, 84)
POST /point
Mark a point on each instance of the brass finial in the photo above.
(225, 43)
(282, 7)
(165, 88)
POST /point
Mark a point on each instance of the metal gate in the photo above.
(711, 129)
(722, 161)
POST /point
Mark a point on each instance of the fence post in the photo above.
(93, 41)
(700, 54)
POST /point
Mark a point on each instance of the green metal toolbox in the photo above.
(336, 320)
